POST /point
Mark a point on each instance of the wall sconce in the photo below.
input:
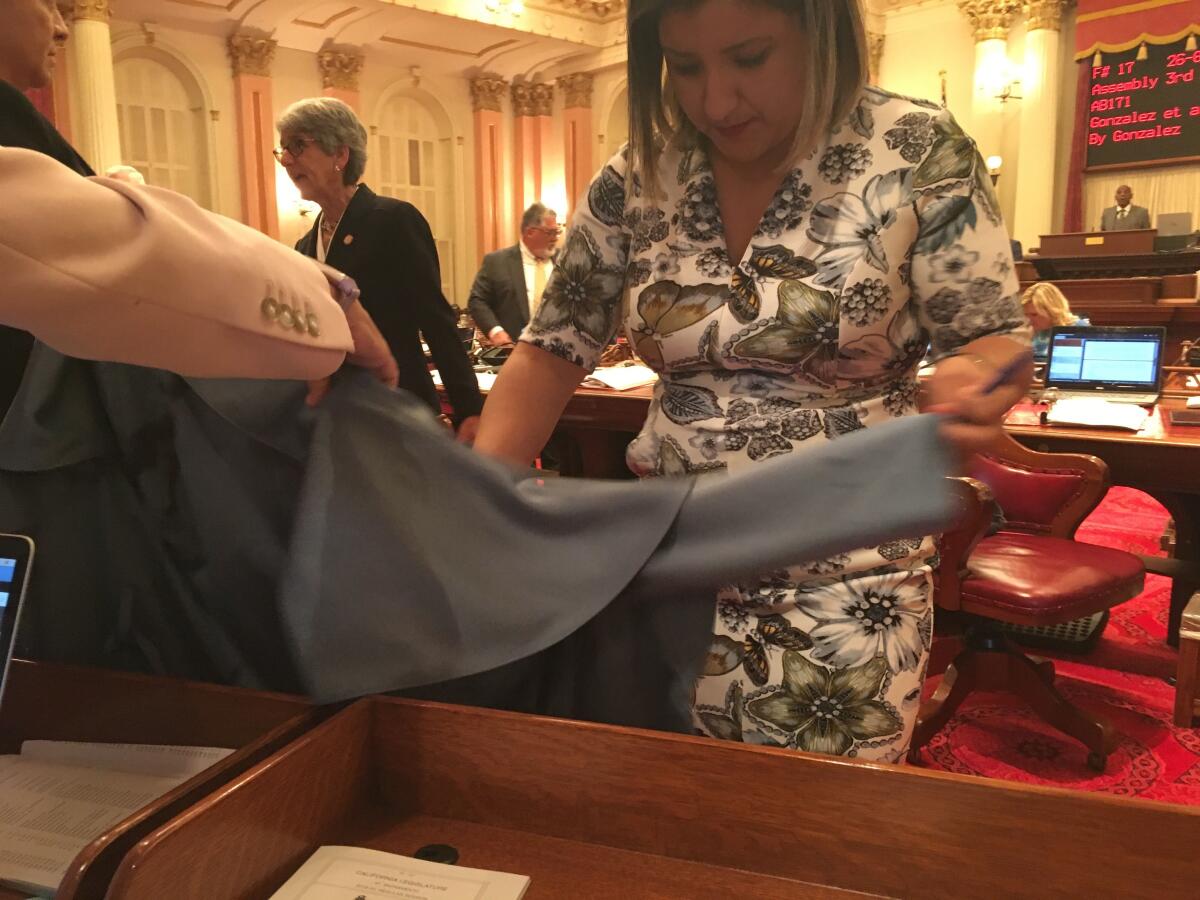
(993, 166)
(1010, 91)
(513, 7)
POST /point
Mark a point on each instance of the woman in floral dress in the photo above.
(784, 245)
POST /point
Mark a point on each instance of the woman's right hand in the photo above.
(371, 352)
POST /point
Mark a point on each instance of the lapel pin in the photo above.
(348, 240)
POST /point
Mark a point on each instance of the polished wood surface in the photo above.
(595, 811)
(1118, 264)
(67, 703)
(1097, 243)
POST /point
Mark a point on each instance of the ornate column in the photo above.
(875, 42)
(97, 134)
(340, 68)
(577, 136)
(531, 139)
(250, 55)
(990, 20)
(493, 230)
(1033, 216)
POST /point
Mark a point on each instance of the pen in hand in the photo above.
(1006, 373)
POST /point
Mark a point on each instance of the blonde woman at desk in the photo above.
(1045, 308)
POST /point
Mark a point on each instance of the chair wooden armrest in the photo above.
(976, 506)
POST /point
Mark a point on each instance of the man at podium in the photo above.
(1124, 216)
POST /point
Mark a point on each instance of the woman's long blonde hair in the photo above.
(1047, 300)
(836, 72)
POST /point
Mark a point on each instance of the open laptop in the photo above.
(16, 559)
(1119, 364)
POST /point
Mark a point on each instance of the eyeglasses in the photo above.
(549, 232)
(295, 147)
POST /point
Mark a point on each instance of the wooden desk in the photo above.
(1097, 243)
(592, 811)
(1115, 265)
(51, 702)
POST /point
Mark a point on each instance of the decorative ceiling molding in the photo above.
(208, 4)
(596, 10)
(476, 54)
(304, 23)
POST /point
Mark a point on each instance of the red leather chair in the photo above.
(1031, 572)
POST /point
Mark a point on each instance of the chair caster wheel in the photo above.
(1097, 761)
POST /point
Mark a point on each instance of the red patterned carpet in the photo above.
(1124, 678)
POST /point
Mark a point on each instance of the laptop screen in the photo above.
(1127, 359)
(16, 555)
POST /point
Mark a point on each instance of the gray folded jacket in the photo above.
(418, 565)
(219, 530)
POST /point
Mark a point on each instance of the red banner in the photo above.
(1111, 26)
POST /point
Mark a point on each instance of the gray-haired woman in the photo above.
(786, 241)
(384, 244)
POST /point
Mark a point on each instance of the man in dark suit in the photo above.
(1124, 216)
(509, 285)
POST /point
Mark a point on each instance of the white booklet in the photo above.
(621, 378)
(355, 873)
(58, 796)
(1096, 413)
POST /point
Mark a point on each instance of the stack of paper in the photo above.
(57, 796)
(343, 873)
(621, 378)
(1095, 413)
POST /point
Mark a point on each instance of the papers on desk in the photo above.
(349, 873)
(58, 796)
(485, 379)
(1094, 413)
(621, 378)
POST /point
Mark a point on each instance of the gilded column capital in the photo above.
(97, 10)
(1044, 15)
(532, 99)
(486, 92)
(251, 54)
(990, 19)
(875, 41)
(340, 67)
(577, 90)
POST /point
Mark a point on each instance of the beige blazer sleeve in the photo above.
(107, 270)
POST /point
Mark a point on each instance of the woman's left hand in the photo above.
(975, 419)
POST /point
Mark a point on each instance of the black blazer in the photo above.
(499, 295)
(21, 125)
(386, 246)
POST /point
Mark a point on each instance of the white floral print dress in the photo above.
(887, 239)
